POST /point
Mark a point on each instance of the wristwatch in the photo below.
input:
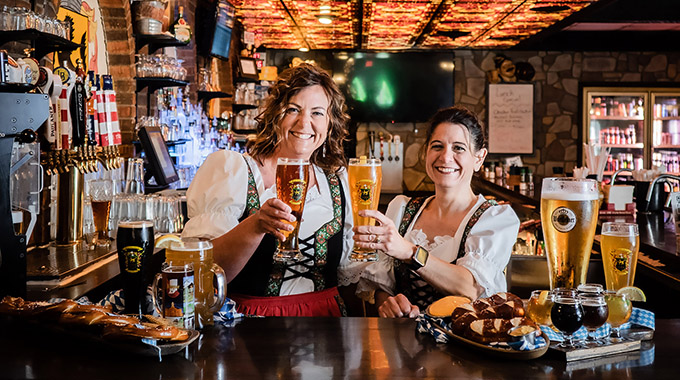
(419, 258)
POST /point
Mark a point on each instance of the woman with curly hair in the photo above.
(232, 200)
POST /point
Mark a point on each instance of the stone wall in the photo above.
(557, 119)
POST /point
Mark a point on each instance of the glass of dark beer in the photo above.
(595, 313)
(567, 316)
(292, 178)
(135, 242)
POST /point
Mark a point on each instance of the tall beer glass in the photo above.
(292, 179)
(135, 243)
(365, 180)
(101, 195)
(569, 217)
(620, 246)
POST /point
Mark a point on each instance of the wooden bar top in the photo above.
(320, 348)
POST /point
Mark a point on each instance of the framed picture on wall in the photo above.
(248, 67)
(511, 117)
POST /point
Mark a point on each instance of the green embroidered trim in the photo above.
(252, 197)
(410, 211)
(473, 220)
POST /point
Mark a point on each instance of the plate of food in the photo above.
(147, 336)
(496, 325)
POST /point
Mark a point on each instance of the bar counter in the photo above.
(320, 348)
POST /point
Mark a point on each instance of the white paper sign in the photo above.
(511, 118)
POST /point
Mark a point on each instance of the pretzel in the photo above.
(71, 313)
(488, 319)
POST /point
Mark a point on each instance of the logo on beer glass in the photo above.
(297, 187)
(563, 219)
(620, 260)
(133, 258)
(365, 188)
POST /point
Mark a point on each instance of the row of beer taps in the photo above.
(83, 158)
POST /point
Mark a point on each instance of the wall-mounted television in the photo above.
(395, 87)
(214, 25)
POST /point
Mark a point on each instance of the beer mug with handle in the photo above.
(199, 252)
(569, 210)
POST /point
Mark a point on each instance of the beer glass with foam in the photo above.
(292, 179)
(365, 180)
(620, 246)
(569, 209)
(134, 241)
(101, 195)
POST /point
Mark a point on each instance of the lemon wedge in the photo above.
(166, 240)
(633, 293)
(543, 297)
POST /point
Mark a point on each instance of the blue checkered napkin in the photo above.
(227, 315)
(539, 342)
(426, 325)
(117, 301)
(639, 317)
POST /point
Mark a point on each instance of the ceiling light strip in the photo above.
(431, 23)
(297, 26)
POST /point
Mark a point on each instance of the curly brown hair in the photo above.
(290, 82)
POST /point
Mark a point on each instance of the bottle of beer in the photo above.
(180, 28)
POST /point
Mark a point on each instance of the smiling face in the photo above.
(451, 158)
(304, 125)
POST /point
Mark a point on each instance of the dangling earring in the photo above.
(323, 150)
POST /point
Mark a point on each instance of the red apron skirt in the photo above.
(324, 303)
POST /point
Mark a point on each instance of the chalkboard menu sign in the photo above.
(511, 118)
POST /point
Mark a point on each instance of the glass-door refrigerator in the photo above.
(666, 130)
(640, 125)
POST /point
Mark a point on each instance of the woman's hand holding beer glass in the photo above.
(292, 180)
(365, 181)
(383, 237)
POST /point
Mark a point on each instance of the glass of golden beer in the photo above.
(620, 246)
(101, 195)
(620, 309)
(210, 282)
(569, 209)
(292, 178)
(365, 180)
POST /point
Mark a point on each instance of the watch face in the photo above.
(421, 256)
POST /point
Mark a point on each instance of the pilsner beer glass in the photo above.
(569, 209)
(292, 179)
(365, 180)
(101, 195)
(620, 246)
(135, 242)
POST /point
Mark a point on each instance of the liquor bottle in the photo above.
(180, 28)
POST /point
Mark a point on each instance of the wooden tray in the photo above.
(507, 353)
(580, 353)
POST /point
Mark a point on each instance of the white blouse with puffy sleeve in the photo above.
(486, 253)
(216, 200)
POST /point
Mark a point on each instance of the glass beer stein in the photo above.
(177, 303)
(365, 180)
(292, 179)
(199, 253)
(569, 209)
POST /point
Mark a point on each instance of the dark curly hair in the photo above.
(290, 82)
(463, 116)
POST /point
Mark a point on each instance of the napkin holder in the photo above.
(619, 201)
